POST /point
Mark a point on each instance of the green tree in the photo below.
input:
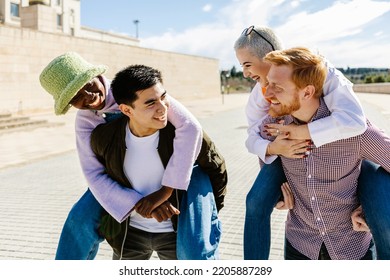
(233, 72)
(368, 80)
(379, 79)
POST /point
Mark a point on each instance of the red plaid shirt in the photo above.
(324, 187)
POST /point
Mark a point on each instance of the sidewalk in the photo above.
(41, 179)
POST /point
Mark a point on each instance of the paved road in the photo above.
(40, 179)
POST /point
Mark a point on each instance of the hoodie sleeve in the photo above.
(187, 144)
(117, 200)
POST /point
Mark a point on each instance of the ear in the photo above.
(309, 91)
(126, 109)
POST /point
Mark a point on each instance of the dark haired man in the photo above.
(135, 150)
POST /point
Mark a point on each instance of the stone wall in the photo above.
(375, 88)
(25, 52)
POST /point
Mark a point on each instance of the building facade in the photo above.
(32, 33)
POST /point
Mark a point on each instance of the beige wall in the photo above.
(25, 52)
(376, 88)
(95, 34)
(39, 17)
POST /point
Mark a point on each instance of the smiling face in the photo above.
(149, 112)
(91, 97)
(282, 91)
(252, 66)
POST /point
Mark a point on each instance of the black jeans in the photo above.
(290, 253)
(139, 245)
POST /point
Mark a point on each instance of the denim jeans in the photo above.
(198, 230)
(80, 238)
(260, 201)
(374, 195)
(373, 192)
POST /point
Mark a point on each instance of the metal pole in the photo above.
(136, 27)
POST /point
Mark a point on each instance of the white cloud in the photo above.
(207, 8)
(332, 31)
(379, 33)
(295, 4)
(340, 20)
(357, 54)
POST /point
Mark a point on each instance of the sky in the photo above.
(350, 33)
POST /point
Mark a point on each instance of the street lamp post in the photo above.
(225, 84)
(136, 22)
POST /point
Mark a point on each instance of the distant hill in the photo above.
(232, 80)
(367, 75)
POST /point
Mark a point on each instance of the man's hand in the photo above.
(146, 205)
(164, 212)
(358, 221)
(288, 198)
(290, 148)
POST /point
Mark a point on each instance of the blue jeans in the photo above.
(260, 202)
(374, 195)
(373, 192)
(200, 226)
(199, 229)
(80, 237)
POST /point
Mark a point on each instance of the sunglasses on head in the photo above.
(249, 30)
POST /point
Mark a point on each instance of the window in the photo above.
(71, 17)
(14, 10)
(59, 20)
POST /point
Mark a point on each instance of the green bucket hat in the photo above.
(65, 76)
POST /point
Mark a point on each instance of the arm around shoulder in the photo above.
(256, 110)
(187, 144)
(347, 118)
(116, 199)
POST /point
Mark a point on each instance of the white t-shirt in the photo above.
(144, 170)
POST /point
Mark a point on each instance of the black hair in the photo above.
(132, 79)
